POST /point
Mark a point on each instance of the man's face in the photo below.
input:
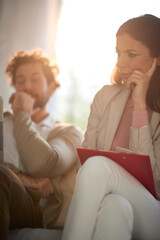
(29, 78)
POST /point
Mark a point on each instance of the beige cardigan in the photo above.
(55, 158)
(106, 112)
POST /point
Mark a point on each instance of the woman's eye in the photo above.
(132, 55)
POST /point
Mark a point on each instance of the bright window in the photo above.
(86, 49)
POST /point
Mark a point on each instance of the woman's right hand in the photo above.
(139, 83)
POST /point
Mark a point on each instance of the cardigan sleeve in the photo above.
(141, 142)
(43, 158)
(140, 118)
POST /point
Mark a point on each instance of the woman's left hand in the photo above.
(139, 83)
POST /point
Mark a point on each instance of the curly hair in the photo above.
(24, 57)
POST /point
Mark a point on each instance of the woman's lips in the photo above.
(125, 75)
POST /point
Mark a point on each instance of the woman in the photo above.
(108, 202)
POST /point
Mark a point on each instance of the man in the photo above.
(41, 151)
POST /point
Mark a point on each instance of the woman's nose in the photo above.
(121, 61)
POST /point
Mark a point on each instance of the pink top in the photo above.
(130, 118)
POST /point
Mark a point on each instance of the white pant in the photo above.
(109, 204)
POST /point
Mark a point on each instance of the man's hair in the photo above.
(145, 29)
(49, 69)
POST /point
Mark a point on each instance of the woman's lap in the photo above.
(105, 176)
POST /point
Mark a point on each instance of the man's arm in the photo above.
(41, 158)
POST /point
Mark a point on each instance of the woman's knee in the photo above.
(119, 207)
(95, 167)
(92, 168)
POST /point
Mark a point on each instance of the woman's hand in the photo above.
(139, 83)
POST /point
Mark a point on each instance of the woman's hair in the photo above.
(49, 69)
(145, 29)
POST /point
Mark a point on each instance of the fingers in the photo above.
(47, 192)
(44, 186)
(138, 75)
(22, 102)
(134, 79)
(152, 68)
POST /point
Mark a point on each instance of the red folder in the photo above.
(137, 165)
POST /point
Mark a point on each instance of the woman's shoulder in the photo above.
(112, 88)
(109, 91)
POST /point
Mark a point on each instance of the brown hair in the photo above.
(145, 29)
(23, 57)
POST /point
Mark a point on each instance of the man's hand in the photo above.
(42, 185)
(22, 102)
(139, 83)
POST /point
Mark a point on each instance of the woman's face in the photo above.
(132, 55)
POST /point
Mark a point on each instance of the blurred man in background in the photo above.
(38, 149)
